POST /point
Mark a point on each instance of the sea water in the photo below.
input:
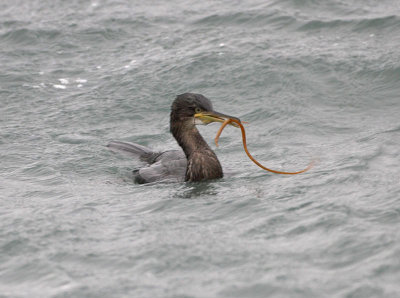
(315, 80)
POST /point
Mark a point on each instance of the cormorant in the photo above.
(196, 161)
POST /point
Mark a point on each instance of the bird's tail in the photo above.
(132, 149)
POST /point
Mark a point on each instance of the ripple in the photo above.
(247, 18)
(74, 139)
(27, 36)
(358, 25)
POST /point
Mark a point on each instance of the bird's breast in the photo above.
(203, 165)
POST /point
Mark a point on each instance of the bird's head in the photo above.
(196, 109)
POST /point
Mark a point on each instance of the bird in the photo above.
(195, 161)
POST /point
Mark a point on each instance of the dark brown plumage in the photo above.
(202, 164)
(197, 162)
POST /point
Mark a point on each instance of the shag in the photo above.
(196, 161)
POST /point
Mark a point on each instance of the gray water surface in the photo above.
(316, 80)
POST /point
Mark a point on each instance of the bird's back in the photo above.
(168, 166)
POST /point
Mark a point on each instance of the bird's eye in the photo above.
(197, 110)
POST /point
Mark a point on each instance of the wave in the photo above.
(277, 19)
(28, 36)
(358, 25)
(274, 17)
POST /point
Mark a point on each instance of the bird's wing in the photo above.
(135, 150)
(168, 166)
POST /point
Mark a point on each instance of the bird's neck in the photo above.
(189, 138)
(202, 163)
